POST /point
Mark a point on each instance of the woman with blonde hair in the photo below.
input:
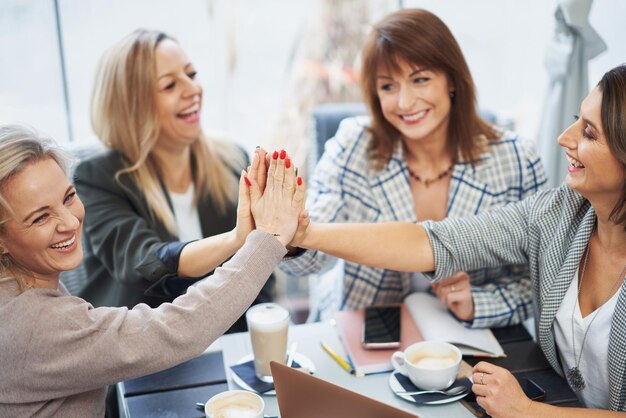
(423, 153)
(161, 199)
(57, 352)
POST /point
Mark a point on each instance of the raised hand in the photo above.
(456, 293)
(276, 209)
(245, 222)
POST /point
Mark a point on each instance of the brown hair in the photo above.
(613, 117)
(124, 116)
(419, 37)
(19, 147)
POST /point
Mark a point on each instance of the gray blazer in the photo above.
(549, 231)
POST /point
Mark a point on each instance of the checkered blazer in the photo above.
(549, 231)
(345, 188)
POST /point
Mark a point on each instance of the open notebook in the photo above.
(424, 317)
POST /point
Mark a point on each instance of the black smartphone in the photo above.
(530, 388)
(381, 328)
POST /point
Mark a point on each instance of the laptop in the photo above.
(301, 395)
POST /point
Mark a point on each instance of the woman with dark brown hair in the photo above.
(573, 238)
(423, 153)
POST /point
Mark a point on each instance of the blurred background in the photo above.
(265, 65)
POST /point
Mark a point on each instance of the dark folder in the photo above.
(207, 369)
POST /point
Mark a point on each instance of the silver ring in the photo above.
(482, 377)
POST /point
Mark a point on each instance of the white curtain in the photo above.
(575, 42)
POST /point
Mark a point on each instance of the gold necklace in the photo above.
(428, 182)
(574, 375)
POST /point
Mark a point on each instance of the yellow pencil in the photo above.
(344, 364)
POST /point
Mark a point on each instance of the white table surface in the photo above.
(308, 336)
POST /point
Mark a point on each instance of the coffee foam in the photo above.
(234, 406)
(432, 361)
(267, 318)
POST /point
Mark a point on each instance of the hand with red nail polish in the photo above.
(277, 208)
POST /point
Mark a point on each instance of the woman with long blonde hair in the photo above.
(161, 200)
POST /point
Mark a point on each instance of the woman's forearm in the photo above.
(200, 257)
(397, 246)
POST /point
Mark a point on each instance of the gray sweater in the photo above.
(58, 353)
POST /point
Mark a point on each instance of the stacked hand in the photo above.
(276, 196)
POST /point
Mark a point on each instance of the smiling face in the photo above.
(44, 234)
(416, 101)
(593, 171)
(178, 97)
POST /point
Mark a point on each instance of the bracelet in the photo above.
(276, 235)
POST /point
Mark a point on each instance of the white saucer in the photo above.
(301, 359)
(396, 387)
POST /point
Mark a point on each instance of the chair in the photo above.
(325, 120)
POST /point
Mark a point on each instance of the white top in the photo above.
(186, 214)
(594, 361)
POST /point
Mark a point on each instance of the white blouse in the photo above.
(186, 214)
(594, 361)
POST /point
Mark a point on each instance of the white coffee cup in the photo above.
(235, 404)
(430, 365)
(268, 324)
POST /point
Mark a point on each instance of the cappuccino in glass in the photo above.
(268, 324)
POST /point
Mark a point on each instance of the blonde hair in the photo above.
(124, 117)
(19, 147)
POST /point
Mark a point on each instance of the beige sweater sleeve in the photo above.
(62, 345)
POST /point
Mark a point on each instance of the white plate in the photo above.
(301, 359)
(397, 387)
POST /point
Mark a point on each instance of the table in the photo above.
(173, 392)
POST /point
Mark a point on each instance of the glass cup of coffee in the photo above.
(235, 403)
(268, 324)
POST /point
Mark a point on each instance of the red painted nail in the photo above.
(287, 163)
(247, 181)
(283, 154)
(275, 155)
(299, 181)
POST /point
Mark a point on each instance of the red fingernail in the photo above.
(287, 163)
(299, 181)
(283, 154)
(247, 181)
(275, 155)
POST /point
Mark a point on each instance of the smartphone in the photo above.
(381, 328)
(530, 388)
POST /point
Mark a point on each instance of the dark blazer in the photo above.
(130, 257)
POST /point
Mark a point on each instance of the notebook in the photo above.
(350, 329)
(436, 323)
(301, 395)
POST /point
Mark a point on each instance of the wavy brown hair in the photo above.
(124, 117)
(613, 117)
(418, 37)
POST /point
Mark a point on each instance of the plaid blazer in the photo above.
(345, 188)
(549, 231)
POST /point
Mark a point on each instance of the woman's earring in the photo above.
(452, 94)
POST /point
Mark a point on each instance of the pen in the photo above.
(344, 364)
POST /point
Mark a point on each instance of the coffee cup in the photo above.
(268, 324)
(235, 404)
(430, 365)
